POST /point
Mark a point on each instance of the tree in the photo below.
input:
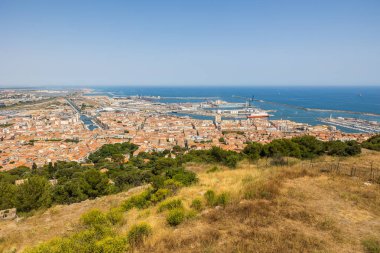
(19, 171)
(310, 146)
(70, 191)
(7, 195)
(33, 194)
(163, 163)
(118, 158)
(372, 143)
(282, 147)
(339, 148)
(353, 148)
(95, 184)
(34, 168)
(253, 150)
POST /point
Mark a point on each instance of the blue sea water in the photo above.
(285, 100)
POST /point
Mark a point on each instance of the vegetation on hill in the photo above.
(72, 182)
(372, 143)
(305, 147)
(108, 171)
(261, 207)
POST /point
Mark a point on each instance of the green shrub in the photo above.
(160, 195)
(196, 204)
(190, 214)
(253, 150)
(115, 216)
(86, 241)
(216, 200)
(371, 245)
(222, 199)
(94, 218)
(139, 201)
(185, 177)
(310, 146)
(138, 233)
(170, 204)
(372, 143)
(340, 148)
(210, 197)
(176, 216)
(115, 244)
(172, 184)
(53, 246)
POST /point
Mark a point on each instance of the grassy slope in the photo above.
(313, 212)
(59, 220)
(309, 211)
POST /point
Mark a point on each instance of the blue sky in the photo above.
(194, 42)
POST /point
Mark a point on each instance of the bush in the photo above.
(372, 143)
(210, 197)
(111, 245)
(139, 201)
(196, 204)
(138, 233)
(371, 245)
(185, 177)
(115, 216)
(310, 146)
(170, 204)
(282, 147)
(172, 185)
(353, 148)
(95, 218)
(160, 195)
(339, 148)
(222, 199)
(216, 200)
(253, 150)
(86, 241)
(176, 216)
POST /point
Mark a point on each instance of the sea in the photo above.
(300, 104)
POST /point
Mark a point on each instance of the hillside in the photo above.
(325, 205)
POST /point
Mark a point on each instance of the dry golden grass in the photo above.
(306, 211)
(59, 220)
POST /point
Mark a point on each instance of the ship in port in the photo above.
(258, 114)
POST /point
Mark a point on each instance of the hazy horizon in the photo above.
(194, 43)
(164, 86)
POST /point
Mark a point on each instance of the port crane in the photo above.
(248, 101)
